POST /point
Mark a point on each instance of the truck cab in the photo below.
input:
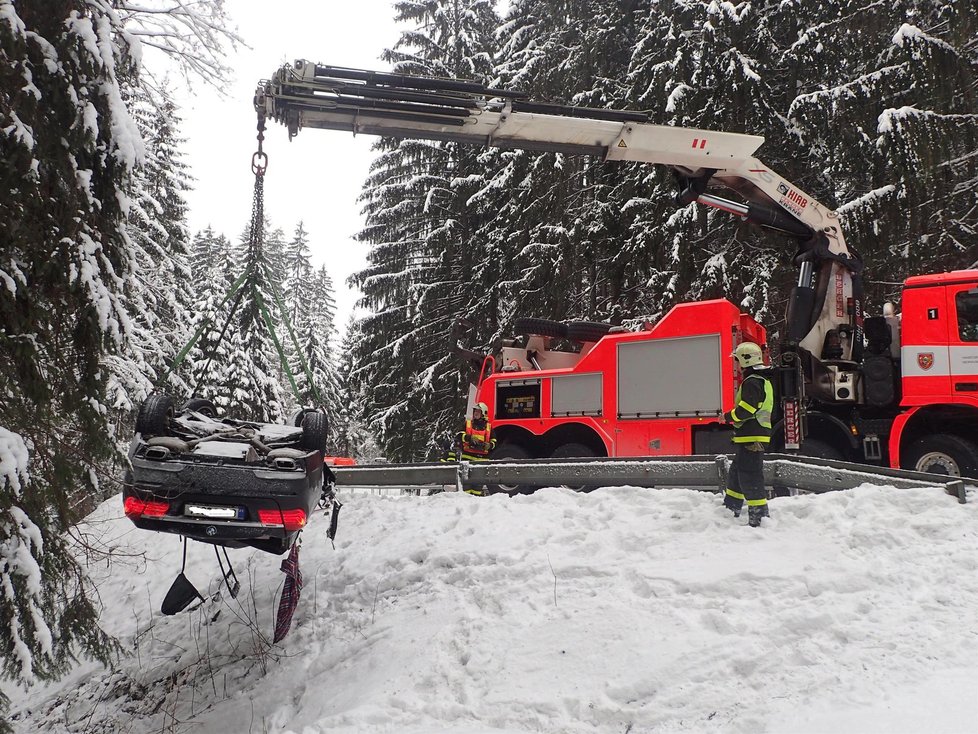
(937, 429)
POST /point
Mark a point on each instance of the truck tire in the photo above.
(315, 431)
(517, 453)
(154, 416)
(202, 406)
(540, 327)
(575, 450)
(943, 453)
(587, 331)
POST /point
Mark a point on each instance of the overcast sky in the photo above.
(316, 177)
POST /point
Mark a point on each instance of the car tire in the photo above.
(315, 432)
(943, 453)
(514, 452)
(587, 331)
(540, 327)
(154, 416)
(202, 406)
(571, 451)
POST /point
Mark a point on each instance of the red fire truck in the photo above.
(913, 402)
(899, 388)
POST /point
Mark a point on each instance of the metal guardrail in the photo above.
(701, 472)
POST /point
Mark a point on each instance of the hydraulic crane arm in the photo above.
(394, 105)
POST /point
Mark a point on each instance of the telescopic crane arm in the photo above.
(828, 293)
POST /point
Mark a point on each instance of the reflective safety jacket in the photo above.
(753, 405)
(476, 441)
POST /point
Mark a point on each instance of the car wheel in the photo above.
(586, 331)
(943, 453)
(154, 416)
(314, 432)
(202, 406)
(575, 450)
(514, 452)
(540, 327)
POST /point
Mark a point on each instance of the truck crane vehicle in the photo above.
(897, 389)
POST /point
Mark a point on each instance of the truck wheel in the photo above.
(154, 416)
(575, 450)
(202, 406)
(516, 453)
(540, 327)
(587, 331)
(943, 453)
(314, 432)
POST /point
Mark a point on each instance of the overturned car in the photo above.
(227, 482)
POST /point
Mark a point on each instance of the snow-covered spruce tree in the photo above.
(68, 148)
(254, 369)
(309, 302)
(420, 228)
(203, 252)
(216, 268)
(235, 363)
(564, 218)
(297, 273)
(159, 300)
(887, 102)
(349, 431)
(711, 66)
(316, 334)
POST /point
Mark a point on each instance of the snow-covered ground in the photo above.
(623, 610)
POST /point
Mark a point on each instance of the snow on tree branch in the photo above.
(13, 460)
(194, 34)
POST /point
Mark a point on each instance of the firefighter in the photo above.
(477, 439)
(475, 442)
(751, 419)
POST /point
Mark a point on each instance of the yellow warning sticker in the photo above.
(621, 144)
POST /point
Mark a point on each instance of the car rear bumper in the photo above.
(180, 481)
(210, 529)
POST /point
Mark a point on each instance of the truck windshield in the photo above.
(967, 306)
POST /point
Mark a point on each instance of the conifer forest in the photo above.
(870, 106)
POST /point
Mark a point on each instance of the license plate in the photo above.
(214, 512)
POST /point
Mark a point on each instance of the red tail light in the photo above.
(135, 507)
(291, 519)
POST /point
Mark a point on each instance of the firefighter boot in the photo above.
(755, 513)
(733, 501)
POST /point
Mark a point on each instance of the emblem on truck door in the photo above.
(925, 360)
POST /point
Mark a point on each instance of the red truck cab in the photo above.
(939, 373)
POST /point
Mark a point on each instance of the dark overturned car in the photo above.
(227, 482)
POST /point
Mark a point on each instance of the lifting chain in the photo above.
(259, 162)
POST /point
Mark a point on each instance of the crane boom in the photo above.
(310, 95)
(824, 317)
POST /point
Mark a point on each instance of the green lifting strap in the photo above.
(182, 354)
(267, 317)
(295, 343)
